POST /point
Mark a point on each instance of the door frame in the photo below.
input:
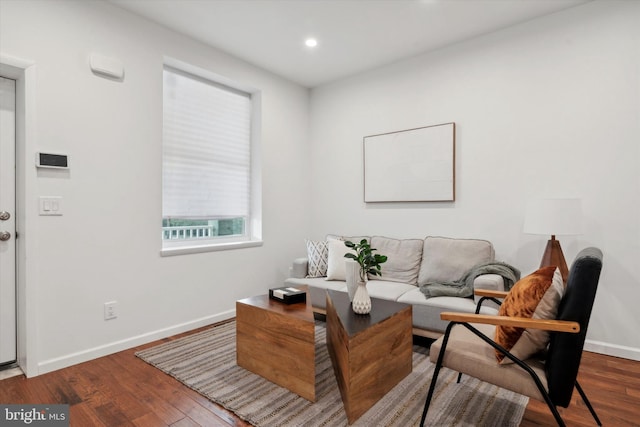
(8, 296)
(24, 73)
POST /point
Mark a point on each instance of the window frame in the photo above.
(253, 223)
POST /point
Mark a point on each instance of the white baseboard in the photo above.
(114, 347)
(612, 350)
(104, 350)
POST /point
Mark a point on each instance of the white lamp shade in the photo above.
(554, 217)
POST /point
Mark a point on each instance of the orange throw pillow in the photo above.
(535, 296)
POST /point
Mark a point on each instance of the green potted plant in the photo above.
(369, 263)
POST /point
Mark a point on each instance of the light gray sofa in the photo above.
(411, 262)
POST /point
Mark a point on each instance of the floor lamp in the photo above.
(554, 217)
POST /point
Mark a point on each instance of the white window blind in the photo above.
(206, 167)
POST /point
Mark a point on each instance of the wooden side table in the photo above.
(277, 342)
(370, 353)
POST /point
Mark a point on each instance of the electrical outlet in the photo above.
(110, 310)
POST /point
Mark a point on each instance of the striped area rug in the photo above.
(206, 362)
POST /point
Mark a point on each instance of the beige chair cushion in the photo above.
(469, 354)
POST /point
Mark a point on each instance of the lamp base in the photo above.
(553, 256)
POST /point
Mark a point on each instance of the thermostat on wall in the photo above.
(50, 160)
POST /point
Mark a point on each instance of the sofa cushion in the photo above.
(336, 269)
(535, 296)
(426, 312)
(445, 259)
(403, 259)
(387, 290)
(318, 257)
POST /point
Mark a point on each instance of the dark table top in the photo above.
(353, 323)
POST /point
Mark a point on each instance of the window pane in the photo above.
(176, 228)
(206, 165)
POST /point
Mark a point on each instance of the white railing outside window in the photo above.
(188, 232)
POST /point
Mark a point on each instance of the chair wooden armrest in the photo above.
(518, 322)
(490, 293)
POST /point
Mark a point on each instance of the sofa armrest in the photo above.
(492, 282)
(492, 297)
(299, 268)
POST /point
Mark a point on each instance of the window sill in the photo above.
(211, 247)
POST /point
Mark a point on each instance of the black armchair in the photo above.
(468, 346)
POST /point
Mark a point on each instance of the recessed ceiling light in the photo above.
(311, 42)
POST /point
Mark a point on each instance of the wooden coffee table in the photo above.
(277, 342)
(370, 353)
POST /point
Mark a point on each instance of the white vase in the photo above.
(361, 303)
(352, 270)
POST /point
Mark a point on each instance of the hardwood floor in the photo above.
(122, 390)
(613, 388)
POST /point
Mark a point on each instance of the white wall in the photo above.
(107, 244)
(546, 108)
(550, 108)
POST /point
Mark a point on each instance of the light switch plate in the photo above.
(50, 205)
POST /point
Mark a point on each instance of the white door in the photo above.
(7, 221)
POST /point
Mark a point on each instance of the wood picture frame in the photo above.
(413, 165)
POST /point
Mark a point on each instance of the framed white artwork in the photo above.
(414, 165)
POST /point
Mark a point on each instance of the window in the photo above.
(207, 164)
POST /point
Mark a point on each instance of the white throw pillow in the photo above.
(336, 269)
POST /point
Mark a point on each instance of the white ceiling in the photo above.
(353, 35)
